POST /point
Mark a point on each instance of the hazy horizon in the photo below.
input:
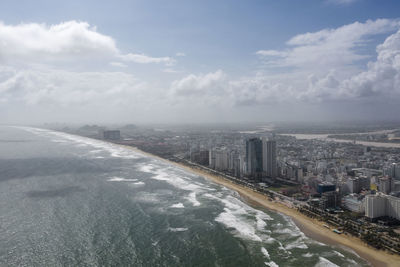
(204, 62)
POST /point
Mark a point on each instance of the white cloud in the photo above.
(180, 54)
(341, 2)
(382, 77)
(66, 88)
(329, 48)
(171, 70)
(118, 64)
(63, 41)
(141, 58)
(378, 83)
(67, 41)
(63, 70)
(317, 67)
(201, 84)
(272, 53)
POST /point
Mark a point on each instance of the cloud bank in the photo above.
(71, 71)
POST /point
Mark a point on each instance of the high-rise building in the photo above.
(330, 200)
(353, 185)
(395, 171)
(382, 205)
(211, 159)
(254, 157)
(385, 185)
(269, 158)
(110, 135)
(375, 206)
(221, 159)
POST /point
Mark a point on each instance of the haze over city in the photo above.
(204, 61)
(200, 133)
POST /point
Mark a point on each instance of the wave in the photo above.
(137, 184)
(271, 264)
(192, 198)
(323, 262)
(120, 179)
(176, 179)
(265, 252)
(177, 229)
(146, 197)
(241, 226)
(178, 206)
(296, 244)
(114, 150)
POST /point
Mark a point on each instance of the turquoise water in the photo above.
(72, 201)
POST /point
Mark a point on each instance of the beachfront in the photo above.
(311, 227)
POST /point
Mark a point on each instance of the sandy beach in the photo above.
(310, 227)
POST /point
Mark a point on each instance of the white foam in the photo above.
(353, 262)
(147, 197)
(338, 254)
(270, 240)
(59, 141)
(178, 206)
(96, 151)
(281, 246)
(271, 264)
(177, 229)
(192, 198)
(308, 255)
(297, 244)
(137, 184)
(238, 215)
(325, 263)
(174, 178)
(120, 179)
(265, 252)
(113, 149)
(243, 228)
(146, 168)
(260, 217)
(290, 229)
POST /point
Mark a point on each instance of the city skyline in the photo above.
(199, 62)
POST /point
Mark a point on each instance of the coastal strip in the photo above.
(312, 228)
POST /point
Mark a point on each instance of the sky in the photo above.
(199, 61)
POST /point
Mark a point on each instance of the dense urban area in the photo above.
(354, 188)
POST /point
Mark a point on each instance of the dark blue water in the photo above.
(72, 201)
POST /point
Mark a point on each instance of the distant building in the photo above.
(325, 187)
(395, 171)
(211, 158)
(110, 134)
(254, 157)
(201, 157)
(353, 185)
(365, 182)
(385, 185)
(269, 158)
(353, 203)
(221, 159)
(330, 200)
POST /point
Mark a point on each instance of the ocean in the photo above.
(67, 200)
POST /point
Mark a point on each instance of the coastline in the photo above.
(312, 228)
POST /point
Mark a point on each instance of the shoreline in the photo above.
(312, 228)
